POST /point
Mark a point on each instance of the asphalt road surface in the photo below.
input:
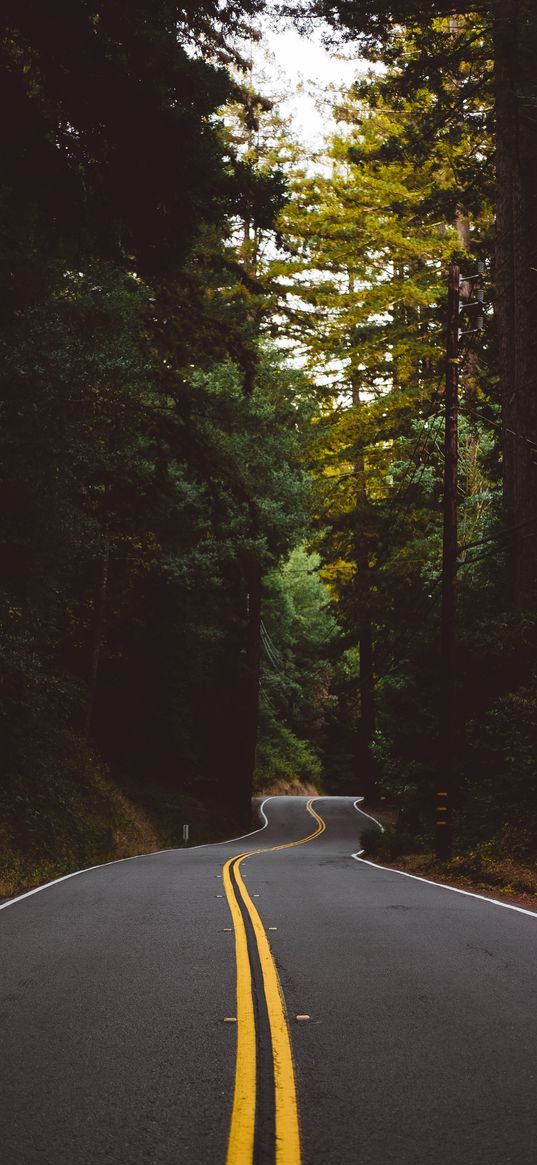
(148, 1010)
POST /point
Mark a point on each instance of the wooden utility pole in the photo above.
(448, 708)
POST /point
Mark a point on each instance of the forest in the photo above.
(223, 458)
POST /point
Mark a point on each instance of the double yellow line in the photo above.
(241, 1142)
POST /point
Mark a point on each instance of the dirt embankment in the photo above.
(283, 788)
(503, 879)
(487, 869)
(107, 826)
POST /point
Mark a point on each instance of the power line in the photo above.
(498, 425)
(495, 537)
(271, 643)
(413, 471)
(423, 433)
(433, 587)
(266, 641)
(270, 656)
(268, 700)
(492, 552)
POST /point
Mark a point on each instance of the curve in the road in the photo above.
(115, 985)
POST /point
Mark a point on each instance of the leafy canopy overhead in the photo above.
(112, 144)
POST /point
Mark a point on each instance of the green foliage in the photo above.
(283, 756)
(371, 840)
(112, 146)
(407, 186)
(104, 441)
(160, 456)
(151, 449)
(501, 774)
(299, 637)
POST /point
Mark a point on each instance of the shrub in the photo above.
(282, 755)
(372, 840)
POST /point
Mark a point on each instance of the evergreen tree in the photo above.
(513, 28)
(370, 245)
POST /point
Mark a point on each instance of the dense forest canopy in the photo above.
(222, 420)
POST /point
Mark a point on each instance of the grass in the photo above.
(500, 876)
(70, 825)
(487, 868)
(108, 826)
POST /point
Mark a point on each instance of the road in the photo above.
(141, 1017)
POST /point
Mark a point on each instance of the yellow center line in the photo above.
(241, 1132)
(242, 1128)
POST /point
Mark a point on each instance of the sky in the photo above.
(297, 62)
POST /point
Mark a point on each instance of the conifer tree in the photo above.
(370, 240)
(513, 29)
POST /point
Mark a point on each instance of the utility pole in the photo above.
(448, 709)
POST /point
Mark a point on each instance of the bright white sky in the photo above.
(297, 62)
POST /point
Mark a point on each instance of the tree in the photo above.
(514, 33)
(112, 147)
(370, 238)
(515, 39)
(300, 637)
(139, 491)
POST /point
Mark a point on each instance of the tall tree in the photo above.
(514, 30)
(112, 146)
(370, 237)
(130, 456)
(515, 43)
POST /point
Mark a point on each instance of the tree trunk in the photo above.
(248, 718)
(366, 645)
(98, 630)
(249, 684)
(515, 37)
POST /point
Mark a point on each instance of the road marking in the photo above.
(135, 858)
(441, 885)
(242, 1128)
(444, 886)
(86, 870)
(241, 1132)
(355, 806)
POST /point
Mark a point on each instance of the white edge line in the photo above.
(230, 840)
(355, 806)
(443, 886)
(86, 870)
(133, 858)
